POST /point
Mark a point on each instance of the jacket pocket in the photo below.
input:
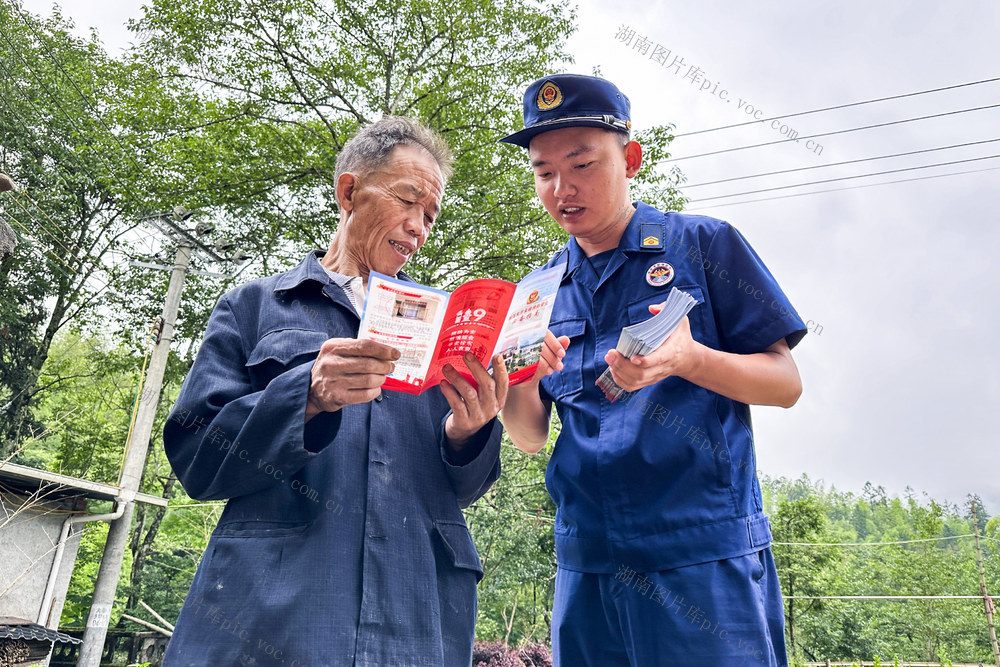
(569, 380)
(458, 542)
(262, 528)
(281, 349)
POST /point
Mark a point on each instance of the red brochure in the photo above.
(431, 328)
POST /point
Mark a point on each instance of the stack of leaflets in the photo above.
(643, 338)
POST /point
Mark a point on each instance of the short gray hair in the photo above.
(371, 146)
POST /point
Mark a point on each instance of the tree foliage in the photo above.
(69, 212)
(284, 84)
(512, 528)
(929, 553)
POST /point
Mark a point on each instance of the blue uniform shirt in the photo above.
(665, 476)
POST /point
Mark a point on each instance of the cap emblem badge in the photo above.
(549, 96)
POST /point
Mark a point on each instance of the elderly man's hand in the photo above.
(472, 407)
(348, 371)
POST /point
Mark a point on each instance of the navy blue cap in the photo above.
(571, 100)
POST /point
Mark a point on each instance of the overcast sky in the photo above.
(902, 380)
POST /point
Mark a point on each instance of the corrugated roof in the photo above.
(20, 628)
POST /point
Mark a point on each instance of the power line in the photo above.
(853, 187)
(60, 263)
(79, 163)
(882, 597)
(55, 100)
(45, 229)
(85, 260)
(837, 164)
(845, 178)
(839, 106)
(828, 134)
(75, 125)
(868, 544)
(86, 100)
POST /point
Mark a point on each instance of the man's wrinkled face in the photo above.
(393, 210)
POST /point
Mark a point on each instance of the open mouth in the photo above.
(402, 248)
(571, 210)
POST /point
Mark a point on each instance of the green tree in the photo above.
(909, 547)
(801, 569)
(512, 527)
(308, 73)
(70, 212)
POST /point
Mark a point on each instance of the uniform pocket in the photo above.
(569, 380)
(638, 310)
(281, 349)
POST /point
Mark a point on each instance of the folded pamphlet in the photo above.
(432, 328)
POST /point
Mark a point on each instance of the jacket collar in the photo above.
(309, 269)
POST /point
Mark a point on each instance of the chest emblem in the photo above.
(660, 274)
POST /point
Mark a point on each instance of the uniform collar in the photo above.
(645, 225)
(645, 231)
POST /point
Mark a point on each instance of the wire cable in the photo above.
(828, 134)
(839, 106)
(54, 100)
(86, 100)
(845, 178)
(59, 264)
(882, 597)
(870, 544)
(837, 164)
(853, 187)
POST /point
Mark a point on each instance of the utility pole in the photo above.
(138, 445)
(987, 600)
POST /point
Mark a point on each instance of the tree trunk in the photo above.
(23, 396)
(791, 617)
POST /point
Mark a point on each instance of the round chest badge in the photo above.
(660, 274)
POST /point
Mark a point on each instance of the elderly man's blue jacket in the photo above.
(342, 541)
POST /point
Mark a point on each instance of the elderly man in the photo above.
(342, 541)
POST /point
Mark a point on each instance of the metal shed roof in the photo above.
(60, 486)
